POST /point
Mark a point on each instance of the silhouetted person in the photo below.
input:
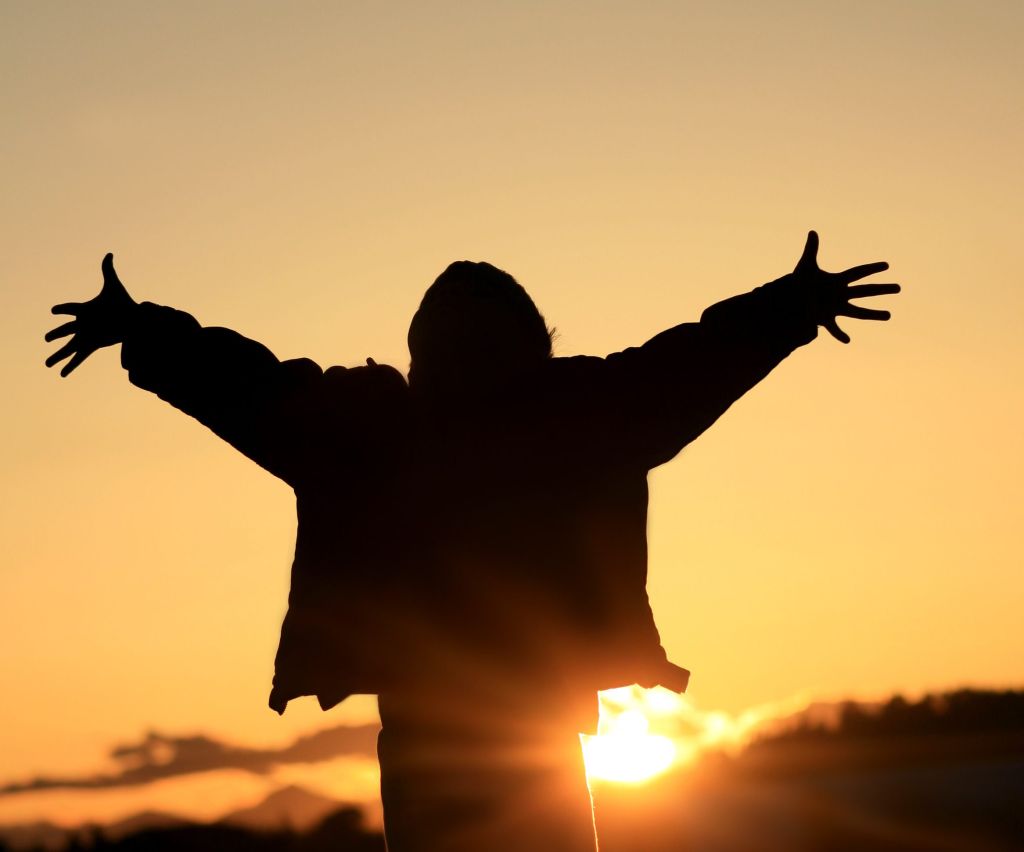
(472, 543)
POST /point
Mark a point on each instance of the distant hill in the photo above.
(290, 807)
(286, 813)
(142, 821)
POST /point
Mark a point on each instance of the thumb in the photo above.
(110, 278)
(809, 259)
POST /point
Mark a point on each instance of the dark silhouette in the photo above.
(472, 544)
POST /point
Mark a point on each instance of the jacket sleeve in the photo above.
(672, 388)
(233, 385)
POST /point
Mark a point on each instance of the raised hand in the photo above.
(102, 321)
(830, 292)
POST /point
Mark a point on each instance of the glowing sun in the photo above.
(637, 737)
(645, 732)
(625, 750)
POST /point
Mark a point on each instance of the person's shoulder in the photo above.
(302, 369)
(575, 368)
(370, 373)
(576, 364)
(366, 381)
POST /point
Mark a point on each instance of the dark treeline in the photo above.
(965, 711)
(342, 831)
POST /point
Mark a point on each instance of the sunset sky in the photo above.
(301, 172)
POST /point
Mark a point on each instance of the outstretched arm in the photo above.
(682, 380)
(235, 386)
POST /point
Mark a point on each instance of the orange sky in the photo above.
(301, 172)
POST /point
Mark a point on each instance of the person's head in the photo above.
(475, 325)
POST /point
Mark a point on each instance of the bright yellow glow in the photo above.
(634, 742)
(645, 732)
(639, 735)
(628, 752)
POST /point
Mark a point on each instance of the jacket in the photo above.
(483, 546)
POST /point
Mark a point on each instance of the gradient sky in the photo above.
(300, 172)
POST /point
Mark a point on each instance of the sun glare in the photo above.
(645, 732)
(628, 752)
(625, 749)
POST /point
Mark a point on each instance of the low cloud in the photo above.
(159, 756)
